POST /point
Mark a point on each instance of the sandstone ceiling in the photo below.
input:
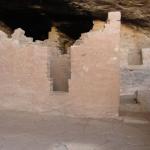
(134, 11)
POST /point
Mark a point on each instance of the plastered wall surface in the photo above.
(23, 77)
(95, 70)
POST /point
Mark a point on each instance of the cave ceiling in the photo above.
(133, 11)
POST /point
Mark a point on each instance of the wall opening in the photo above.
(135, 57)
(69, 31)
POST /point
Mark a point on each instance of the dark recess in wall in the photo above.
(37, 24)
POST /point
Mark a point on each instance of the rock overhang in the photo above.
(136, 12)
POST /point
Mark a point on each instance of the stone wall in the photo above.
(146, 57)
(95, 70)
(135, 80)
(30, 71)
(136, 77)
(23, 78)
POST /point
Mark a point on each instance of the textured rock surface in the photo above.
(98, 81)
(5, 28)
(23, 74)
(132, 10)
(135, 11)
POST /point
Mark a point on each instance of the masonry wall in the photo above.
(94, 82)
(30, 73)
(23, 77)
(135, 81)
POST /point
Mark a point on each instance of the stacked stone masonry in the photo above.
(135, 80)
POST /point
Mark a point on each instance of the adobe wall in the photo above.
(95, 72)
(23, 78)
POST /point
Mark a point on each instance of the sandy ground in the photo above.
(26, 131)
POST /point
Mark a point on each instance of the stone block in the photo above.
(114, 16)
(144, 99)
(146, 56)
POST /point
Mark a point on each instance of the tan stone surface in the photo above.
(53, 34)
(133, 40)
(98, 25)
(23, 78)
(144, 99)
(95, 73)
(146, 56)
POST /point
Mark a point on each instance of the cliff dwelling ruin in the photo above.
(52, 44)
(45, 63)
(45, 73)
(87, 61)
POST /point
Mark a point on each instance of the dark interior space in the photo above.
(37, 24)
(74, 26)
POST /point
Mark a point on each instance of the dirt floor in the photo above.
(26, 131)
